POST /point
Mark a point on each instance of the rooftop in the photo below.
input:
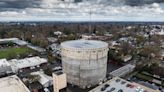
(5, 67)
(27, 62)
(87, 44)
(3, 62)
(14, 40)
(120, 85)
(20, 42)
(8, 39)
(12, 84)
(58, 72)
(43, 78)
(39, 49)
(123, 70)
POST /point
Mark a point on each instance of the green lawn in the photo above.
(144, 77)
(14, 52)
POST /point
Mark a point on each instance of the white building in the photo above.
(14, 40)
(45, 80)
(160, 32)
(123, 70)
(52, 39)
(86, 37)
(31, 62)
(36, 48)
(157, 32)
(120, 85)
(55, 47)
(127, 58)
(59, 81)
(84, 61)
(5, 67)
(12, 84)
(57, 33)
(113, 44)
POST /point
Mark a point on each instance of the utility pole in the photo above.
(90, 20)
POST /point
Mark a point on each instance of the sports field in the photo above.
(14, 52)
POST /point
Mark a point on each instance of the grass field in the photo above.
(142, 76)
(14, 52)
(148, 77)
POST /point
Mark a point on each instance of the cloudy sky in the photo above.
(82, 10)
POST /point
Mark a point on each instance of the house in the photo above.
(86, 37)
(161, 32)
(45, 80)
(127, 58)
(52, 39)
(58, 33)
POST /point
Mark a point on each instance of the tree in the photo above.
(2, 34)
(140, 40)
(115, 56)
(48, 71)
(50, 57)
(126, 48)
(10, 43)
(33, 78)
(155, 69)
(68, 37)
(51, 33)
(148, 51)
(14, 33)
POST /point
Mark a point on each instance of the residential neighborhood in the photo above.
(81, 45)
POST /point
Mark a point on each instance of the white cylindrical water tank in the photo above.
(84, 61)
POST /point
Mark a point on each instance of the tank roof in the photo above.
(84, 44)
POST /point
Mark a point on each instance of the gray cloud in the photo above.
(142, 2)
(19, 3)
(101, 10)
(131, 2)
(36, 3)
